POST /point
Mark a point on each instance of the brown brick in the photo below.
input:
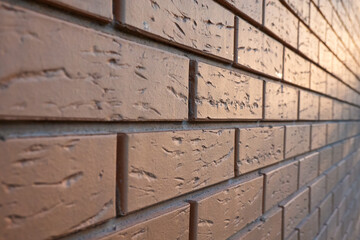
(325, 57)
(309, 228)
(322, 234)
(225, 94)
(325, 209)
(88, 75)
(317, 79)
(332, 132)
(294, 211)
(308, 168)
(281, 21)
(301, 8)
(326, 9)
(325, 160)
(331, 225)
(317, 192)
(308, 42)
(337, 110)
(331, 179)
(97, 8)
(281, 102)
(297, 140)
(260, 147)
(173, 224)
(201, 25)
(326, 106)
(46, 181)
(163, 165)
(251, 8)
(279, 184)
(258, 51)
(337, 152)
(309, 106)
(296, 69)
(317, 22)
(331, 86)
(318, 136)
(225, 213)
(294, 236)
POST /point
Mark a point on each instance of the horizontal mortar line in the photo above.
(132, 34)
(12, 129)
(108, 227)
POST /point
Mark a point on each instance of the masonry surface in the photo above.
(182, 119)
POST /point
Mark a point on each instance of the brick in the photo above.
(317, 79)
(331, 179)
(337, 152)
(251, 8)
(332, 86)
(258, 51)
(46, 180)
(342, 169)
(308, 43)
(281, 21)
(326, 208)
(259, 147)
(267, 229)
(309, 228)
(279, 184)
(326, 106)
(296, 69)
(326, 9)
(318, 136)
(337, 110)
(342, 210)
(322, 234)
(308, 168)
(226, 94)
(301, 8)
(317, 192)
(216, 220)
(201, 25)
(102, 78)
(331, 38)
(325, 57)
(317, 22)
(294, 236)
(297, 140)
(331, 225)
(157, 166)
(172, 224)
(309, 106)
(294, 211)
(281, 102)
(332, 130)
(325, 160)
(96, 8)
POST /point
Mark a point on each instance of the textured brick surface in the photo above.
(326, 106)
(309, 228)
(251, 8)
(294, 211)
(308, 43)
(91, 78)
(317, 79)
(317, 22)
(47, 180)
(325, 159)
(296, 69)
(318, 135)
(268, 229)
(317, 192)
(308, 168)
(281, 102)
(325, 209)
(162, 165)
(259, 147)
(309, 106)
(98, 8)
(173, 224)
(201, 25)
(297, 140)
(279, 184)
(301, 8)
(258, 51)
(281, 21)
(223, 214)
(225, 94)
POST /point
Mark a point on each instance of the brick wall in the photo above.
(183, 119)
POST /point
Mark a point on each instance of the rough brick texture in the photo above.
(200, 119)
